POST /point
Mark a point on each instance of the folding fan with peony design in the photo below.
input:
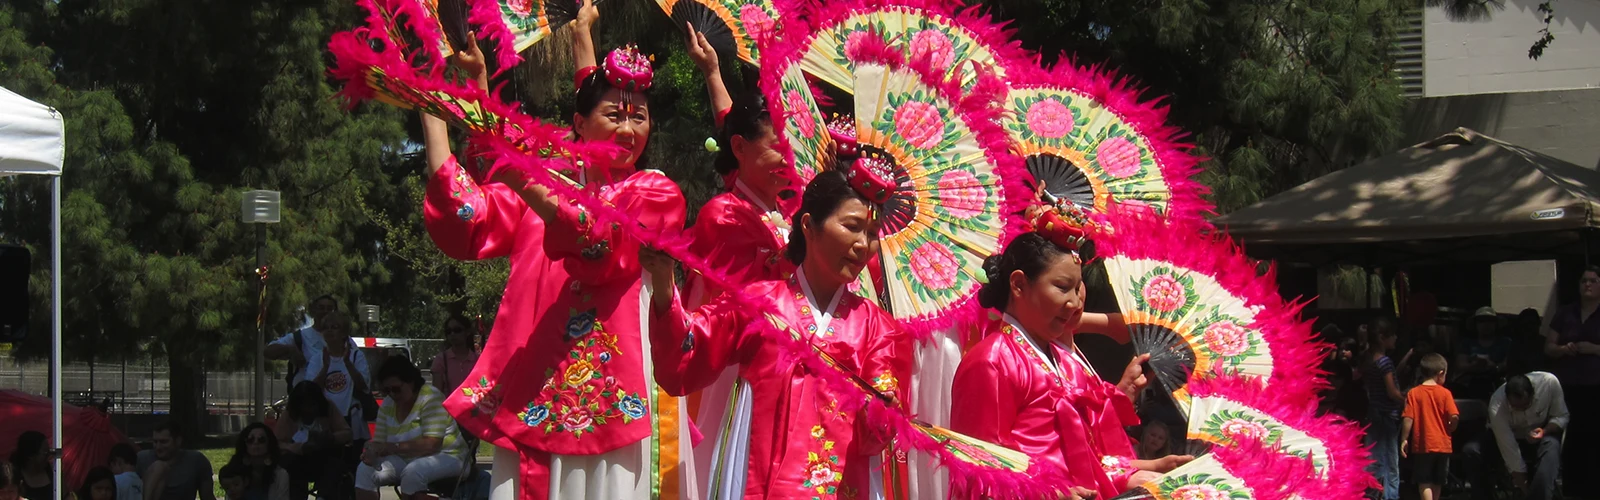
(1087, 137)
(515, 25)
(944, 155)
(957, 41)
(1227, 410)
(1245, 471)
(734, 27)
(1197, 305)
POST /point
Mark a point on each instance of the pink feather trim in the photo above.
(1296, 355)
(485, 14)
(1269, 475)
(1346, 474)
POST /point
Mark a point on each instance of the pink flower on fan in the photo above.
(1050, 118)
(522, 8)
(935, 266)
(1244, 430)
(919, 123)
(1227, 338)
(757, 23)
(1164, 293)
(1118, 156)
(960, 194)
(801, 112)
(935, 46)
(1199, 492)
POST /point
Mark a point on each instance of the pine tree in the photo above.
(173, 109)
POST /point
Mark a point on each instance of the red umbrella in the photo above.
(89, 434)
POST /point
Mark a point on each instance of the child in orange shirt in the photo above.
(1429, 419)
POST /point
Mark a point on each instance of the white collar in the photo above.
(1071, 349)
(750, 194)
(819, 315)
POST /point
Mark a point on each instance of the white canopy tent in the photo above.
(33, 141)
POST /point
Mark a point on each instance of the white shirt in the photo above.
(129, 486)
(1549, 406)
(339, 388)
(311, 345)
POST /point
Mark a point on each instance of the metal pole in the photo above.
(261, 341)
(55, 336)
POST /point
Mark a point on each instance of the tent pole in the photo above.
(55, 335)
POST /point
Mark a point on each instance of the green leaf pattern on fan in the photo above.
(1049, 120)
(1200, 486)
(802, 119)
(853, 34)
(1226, 339)
(915, 123)
(754, 18)
(933, 270)
(1166, 293)
(965, 199)
(1226, 426)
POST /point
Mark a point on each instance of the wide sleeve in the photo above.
(985, 396)
(886, 362)
(594, 252)
(468, 221)
(687, 356)
(735, 243)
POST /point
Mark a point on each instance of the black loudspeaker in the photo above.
(15, 265)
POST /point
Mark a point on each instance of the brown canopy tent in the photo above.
(1461, 197)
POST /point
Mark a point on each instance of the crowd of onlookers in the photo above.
(1512, 399)
(332, 438)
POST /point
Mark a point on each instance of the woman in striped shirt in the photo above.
(416, 441)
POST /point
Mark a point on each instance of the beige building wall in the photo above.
(1489, 54)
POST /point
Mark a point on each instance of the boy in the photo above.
(124, 463)
(1429, 419)
(232, 478)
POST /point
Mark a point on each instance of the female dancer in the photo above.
(804, 439)
(1026, 386)
(565, 380)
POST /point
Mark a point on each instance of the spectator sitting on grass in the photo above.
(170, 472)
(257, 451)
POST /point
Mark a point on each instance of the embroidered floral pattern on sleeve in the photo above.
(463, 189)
(485, 396)
(590, 248)
(823, 470)
(578, 396)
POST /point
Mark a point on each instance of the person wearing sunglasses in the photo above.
(416, 441)
(256, 451)
(451, 366)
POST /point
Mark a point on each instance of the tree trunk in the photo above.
(186, 392)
